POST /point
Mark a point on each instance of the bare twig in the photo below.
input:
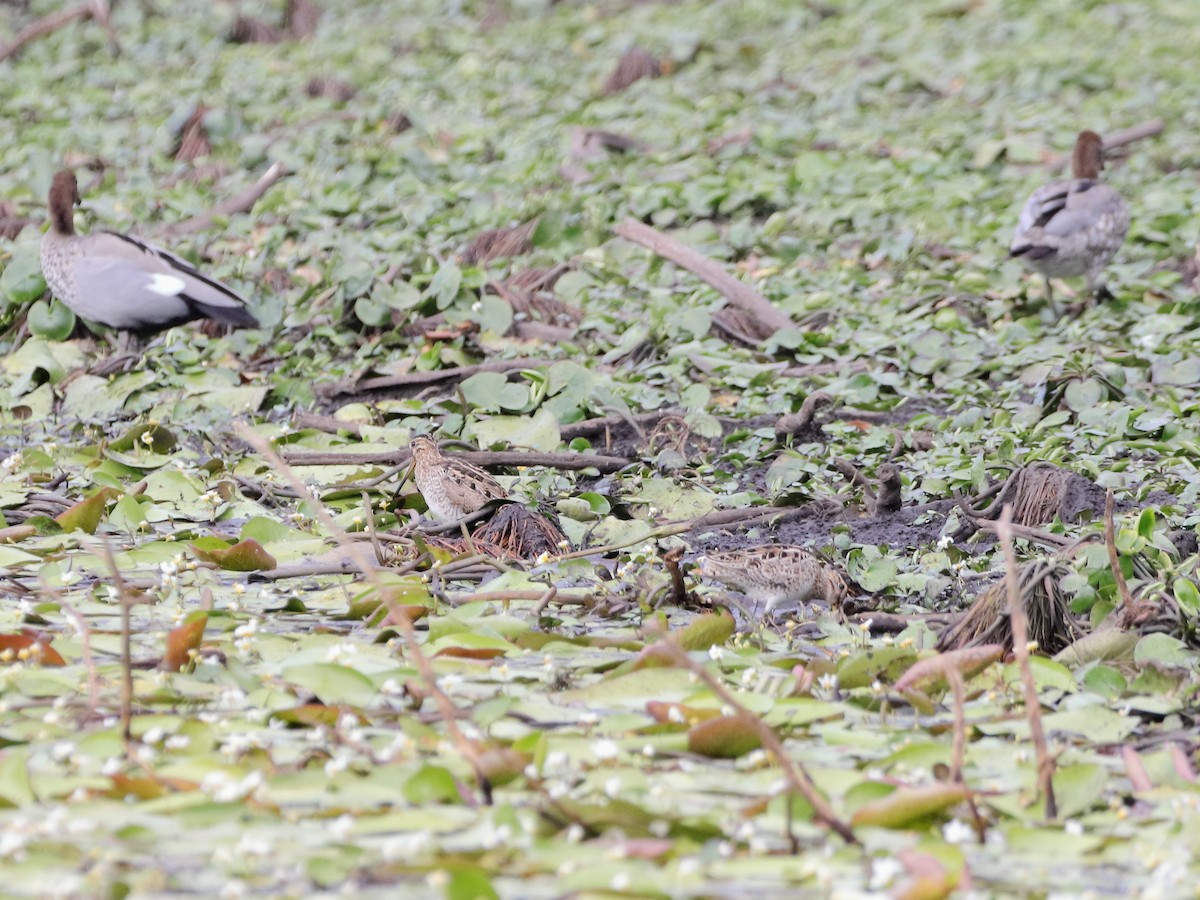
(90, 9)
(85, 651)
(1020, 631)
(1129, 605)
(595, 426)
(736, 292)
(1135, 133)
(239, 203)
(958, 753)
(794, 772)
(1116, 139)
(356, 553)
(327, 424)
(126, 597)
(565, 461)
(425, 379)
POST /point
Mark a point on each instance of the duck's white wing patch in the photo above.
(166, 285)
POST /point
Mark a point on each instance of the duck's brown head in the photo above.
(64, 195)
(1088, 159)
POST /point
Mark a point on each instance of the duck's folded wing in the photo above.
(171, 288)
(1043, 205)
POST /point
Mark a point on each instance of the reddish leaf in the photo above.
(1183, 767)
(411, 612)
(86, 514)
(16, 533)
(655, 656)
(312, 714)
(726, 737)
(244, 556)
(29, 647)
(929, 879)
(145, 788)
(644, 848)
(967, 662)
(678, 714)
(502, 764)
(182, 641)
(471, 652)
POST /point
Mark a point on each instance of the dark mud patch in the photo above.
(910, 528)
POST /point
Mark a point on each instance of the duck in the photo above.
(1073, 228)
(126, 283)
(452, 488)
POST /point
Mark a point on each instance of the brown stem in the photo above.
(1116, 139)
(1020, 632)
(425, 379)
(126, 597)
(356, 553)
(1130, 606)
(959, 749)
(589, 427)
(239, 203)
(327, 424)
(679, 594)
(48, 25)
(1024, 532)
(85, 651)
(736, 292)
(794, 772)
(565, 461)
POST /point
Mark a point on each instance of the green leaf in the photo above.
(21, 281)
(332, 684)
(53, 321)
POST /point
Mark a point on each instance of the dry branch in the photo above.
(1130, 607)
(425, 379)
(794, 772)
(1020, 631)
(240, 203)
(450, 712)
(91, 9)
(737, 293)
(1121, 138)
(571, 462)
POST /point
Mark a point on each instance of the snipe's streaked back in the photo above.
(775, 574)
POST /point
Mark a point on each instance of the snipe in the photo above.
(775, 574)
(452, 488)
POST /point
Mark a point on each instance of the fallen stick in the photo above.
(737, 293)
(568, 461)
(424, 379)
(327, 424)
(91, 9)
(595, 426)
(1136, 133)
(240, 203)
(1121, 138)
(344, 566)
(1020, 635)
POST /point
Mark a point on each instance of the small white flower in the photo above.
(605, 749)
(956, 831)
(884, 872)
